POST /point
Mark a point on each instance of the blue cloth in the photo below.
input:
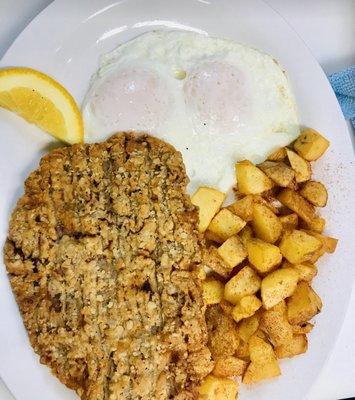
(343, 84)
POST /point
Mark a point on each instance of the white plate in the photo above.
(65, 41)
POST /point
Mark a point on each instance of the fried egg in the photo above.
(214, 100)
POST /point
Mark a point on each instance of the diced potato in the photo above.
(226, 307)
(303, 305)
(301, 166)
(243, 350)
(315, 192)
(225, 224)
(295, 202)
(212, 291)
(280, 307)
(302, 329)
(263, 364)
(263, 256)
(316, 256)
(269, 203)
(229, 366)
(297, 345)
(250, 179)
(209, 202)
(223, 338)
(246, 307)
(275, 323)
(244, 283)
(232, 251)
(243, 207)
(213, 237)
(289, 222)
(277, 286)
(279, 172)
(311, 144)
(246, 234)
(329, 243)
(306, 271)
(298, 246)
(278, 154)
(216, 388)
(260, 334)
(212, 260)
(266, 225)
(248, 326)
(317, 224)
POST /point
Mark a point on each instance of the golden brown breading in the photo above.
(102, 255)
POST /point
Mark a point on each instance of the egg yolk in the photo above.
(217, 97)
(130, 99)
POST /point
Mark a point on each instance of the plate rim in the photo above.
(56, 3)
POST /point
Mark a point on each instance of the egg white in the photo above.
(215, 100)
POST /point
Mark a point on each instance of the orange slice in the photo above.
(40, 100)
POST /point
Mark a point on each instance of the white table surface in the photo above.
(328, 29)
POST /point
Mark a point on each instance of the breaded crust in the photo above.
(102, 255)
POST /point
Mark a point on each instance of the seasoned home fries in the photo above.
(260, 260)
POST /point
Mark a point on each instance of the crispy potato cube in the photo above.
(295, 202)
(212, 260)
(246, 234)
(297, 345)
(263, 364)
(246, 307)
(302, 329)
(275, 323)
(289, 222)
(243, 207)
(260, 334)
(317, 224)
(280, 307)
(232, 251)
(248, 326)
(278, 285)
(303, 305)
(226, 224)
(212, 291)
(209, 202)
(329, 243)
(316, 256)
(279, 172)
(315, 192)
(223, 338)
(263, 256)
(217, 388)
(306, 271)
(301, 166)
(250, 179)
(311, 144)
(266, 202)
(244, 283)
(298, 246)
(266, 225)
(243, 351)
(212, 237)
(278, 154)
(229, 366)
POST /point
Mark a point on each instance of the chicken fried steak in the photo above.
(102, 255)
